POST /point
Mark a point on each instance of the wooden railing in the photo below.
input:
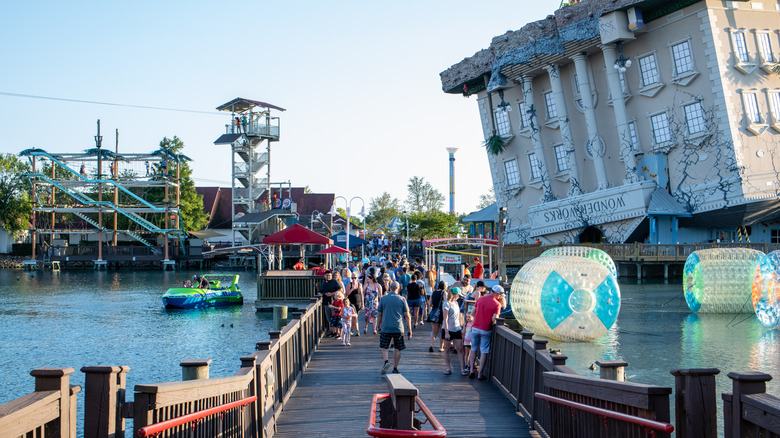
(521, 366)
(632, 252)
(50, 411)
(287, 285)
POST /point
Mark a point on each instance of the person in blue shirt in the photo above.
(404, 280)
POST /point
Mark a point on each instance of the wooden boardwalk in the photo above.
(333, 397)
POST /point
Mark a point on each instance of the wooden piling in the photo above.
(195, 369)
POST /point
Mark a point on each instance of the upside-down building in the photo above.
(634, 121)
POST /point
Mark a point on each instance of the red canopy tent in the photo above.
(333, 250)
(296, 234)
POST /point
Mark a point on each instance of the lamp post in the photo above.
(348, 205)
(501, 213)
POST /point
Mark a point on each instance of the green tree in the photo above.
(383, 208)
(193, 216)
(486, 199)
(431, 225)
(422, 196)
(354, 220)
(15, 206)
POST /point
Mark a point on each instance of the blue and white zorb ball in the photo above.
(566, 298)
(766, 290)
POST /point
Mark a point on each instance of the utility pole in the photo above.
(99, 144)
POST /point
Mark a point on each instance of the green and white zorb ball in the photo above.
(570, 298)
(587, 252)
(720, 280)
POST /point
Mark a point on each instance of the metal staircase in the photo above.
(88, 220)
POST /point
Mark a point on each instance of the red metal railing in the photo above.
(437, 432)
(650, 426)
(158, 428)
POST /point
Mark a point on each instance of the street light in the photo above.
(348, 205)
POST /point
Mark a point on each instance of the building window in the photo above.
(549, 103)
(751, 108)
(623, 83)
(525, 119)
(683, 60)
(634, 137)
(775, 236)
(662, 133)
(694, 118)
(649, 70)
(774, 105)
(740, 46)
(536, 172)
(502, 122)
(765, 45)
(561, 159)
(512, 173)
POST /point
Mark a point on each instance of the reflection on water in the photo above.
(656, 333)
(86, 318)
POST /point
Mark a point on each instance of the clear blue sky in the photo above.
(359, 80)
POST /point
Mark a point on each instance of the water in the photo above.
(85, 318)
(656, 333)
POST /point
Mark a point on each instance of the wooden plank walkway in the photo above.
(333, 397)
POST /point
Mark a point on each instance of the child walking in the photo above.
(346, 321)
(337, 307)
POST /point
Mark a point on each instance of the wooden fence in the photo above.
(522, 366)
(50, 411)
(287, 285)
(271, 373)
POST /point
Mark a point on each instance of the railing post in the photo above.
(540, 345)
(104, 395)
(402, 394)
(274, 335)
(494, 342)
(695, 409)
(263, 346)
(250, 413)
(57, 379)
(195, 369)
(612, 370)
(752, 382)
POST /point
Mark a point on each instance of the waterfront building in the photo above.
(634, 121)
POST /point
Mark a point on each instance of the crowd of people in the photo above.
(396, 297)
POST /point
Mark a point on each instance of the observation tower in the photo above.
(250, 133)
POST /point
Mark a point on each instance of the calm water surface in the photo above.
(83, 318)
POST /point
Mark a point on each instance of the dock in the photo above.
(334, 393)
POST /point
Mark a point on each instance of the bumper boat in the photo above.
(223, 290)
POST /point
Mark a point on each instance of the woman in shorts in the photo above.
(436, 315)
(452, 330)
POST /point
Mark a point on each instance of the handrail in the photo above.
(158, 428)
(437, 432)
(605, 413)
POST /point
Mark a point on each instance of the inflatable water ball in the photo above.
(766, 290)
(567, 298)
(587, 252)
(719, 280)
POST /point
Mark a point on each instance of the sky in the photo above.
(359, 80)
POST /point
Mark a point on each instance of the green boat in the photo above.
(223, 291)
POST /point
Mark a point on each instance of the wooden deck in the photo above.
(333, 397)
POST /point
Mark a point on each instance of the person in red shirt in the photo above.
(486, 310)
(299, 266)
(479, 270)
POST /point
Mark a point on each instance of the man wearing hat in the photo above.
(486, 310)
(479, 270)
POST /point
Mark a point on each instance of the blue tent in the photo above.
(340, 240)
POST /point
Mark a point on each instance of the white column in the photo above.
(621, 119)
(536, 138)
(595, 142)
(563, 119)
